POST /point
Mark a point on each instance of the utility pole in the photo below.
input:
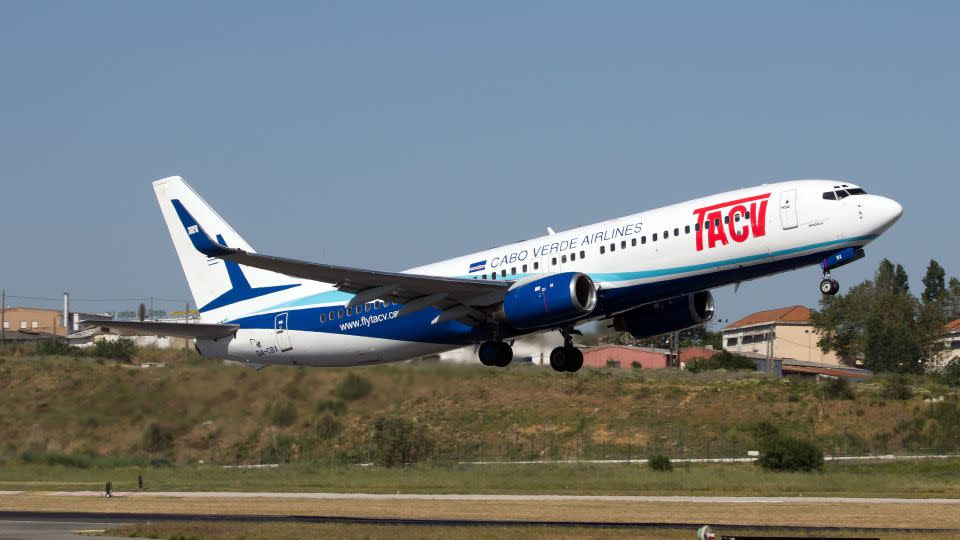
(66, 314)
(3, 317)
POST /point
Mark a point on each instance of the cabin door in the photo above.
(283, 333)
(788, 209)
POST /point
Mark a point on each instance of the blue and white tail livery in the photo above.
(649, 272)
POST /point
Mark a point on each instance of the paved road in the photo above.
(472, 497)
(52, 529)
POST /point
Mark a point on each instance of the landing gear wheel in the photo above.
(566, 359)
(495, 353)
(829, 286)
(574, 359)
(558, 359)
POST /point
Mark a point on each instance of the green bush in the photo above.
(281, 449)
(951, 373)
(352, 387)
(659, 462)
(398, 441)
(280, 413)
(896, 387)
(838, 388)
(336, 406)
(722, 360)
(328, 427)
(55, 347)
(763, 431)
(157, 438)
(782, 453)
(120, 349)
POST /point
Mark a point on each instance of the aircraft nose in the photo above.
(888, 209)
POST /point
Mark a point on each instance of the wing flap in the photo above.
(152, 328)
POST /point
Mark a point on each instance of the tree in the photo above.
(934, 286)
(879, 321)
(951, 306)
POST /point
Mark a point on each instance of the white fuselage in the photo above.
(633, 260)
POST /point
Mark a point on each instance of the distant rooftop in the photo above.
(953, 326)
(785, 315)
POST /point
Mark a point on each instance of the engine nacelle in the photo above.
(669, 315)
(549, 300)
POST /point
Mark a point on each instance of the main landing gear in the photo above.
(495, 353)
(568, 357)
(829, 286)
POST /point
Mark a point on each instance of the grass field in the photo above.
(102, 413)
(934, 478)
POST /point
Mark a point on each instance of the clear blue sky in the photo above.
(391, 134)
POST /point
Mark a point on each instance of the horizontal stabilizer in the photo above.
(173, 329)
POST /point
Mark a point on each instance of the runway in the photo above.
(59, 525)
(27, 527)
(799, 513)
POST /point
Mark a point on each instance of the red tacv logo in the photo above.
(711, 221)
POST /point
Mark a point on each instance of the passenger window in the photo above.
(323, 318)
(686, 229)
(573, 257)
(666, 234)
(643, 239)
(726, 219)
(349, 311)
(603, 250)
(696, 227)
(716, 222)
(613, 247)
(633, 241)
(503, 273)
(339, 313)
(746, 215)
(583, 254)
(676, 232)
(524, 269)
(536, 265)
(553, 261)
(736, 217)
(366, 308)
(513, 271)
(563, 259)
(493, 275)
(331, 315)
(706, 225)
(654, 237)
(484, 276)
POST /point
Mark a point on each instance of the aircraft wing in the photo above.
(173, 329)
(458, 297)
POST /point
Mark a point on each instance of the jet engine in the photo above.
(669, 315)
(549, 300)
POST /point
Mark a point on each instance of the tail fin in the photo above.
(217, 285)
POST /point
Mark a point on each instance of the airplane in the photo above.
(650, 273)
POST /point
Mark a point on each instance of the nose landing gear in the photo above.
(828, 285)
(567, 358)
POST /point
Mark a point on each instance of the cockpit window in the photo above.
(842, 193)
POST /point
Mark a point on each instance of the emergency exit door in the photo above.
(283, 333)
(788, 209)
